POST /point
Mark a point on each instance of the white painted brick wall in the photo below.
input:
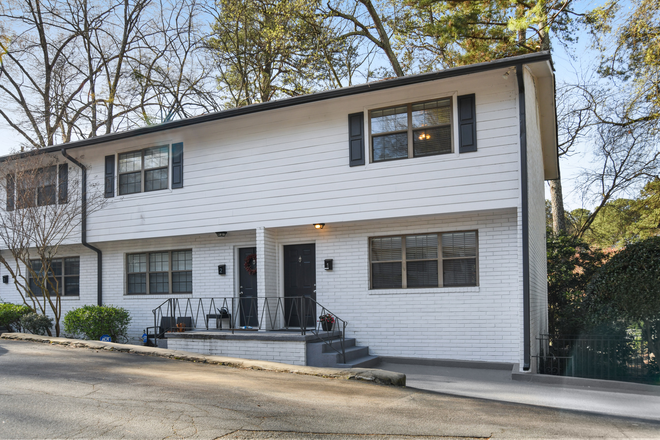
(289, 352)
(469, 323)
(8, 292)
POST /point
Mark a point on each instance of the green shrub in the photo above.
(96, 321)
(627, 288)
(571, 265)
(10, 316)
(625, 293)
(36, 324)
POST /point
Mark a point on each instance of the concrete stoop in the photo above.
(329, 354)
(363, 374)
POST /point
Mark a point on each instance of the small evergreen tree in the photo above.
(571, 264)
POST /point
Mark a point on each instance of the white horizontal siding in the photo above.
(290, 167)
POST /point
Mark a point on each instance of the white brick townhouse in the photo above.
(429, 190)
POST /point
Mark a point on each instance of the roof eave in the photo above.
(538, 57)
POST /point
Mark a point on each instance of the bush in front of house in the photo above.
(10, 316)
(36, 324)
(96, 321)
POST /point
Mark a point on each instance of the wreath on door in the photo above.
(250, 264)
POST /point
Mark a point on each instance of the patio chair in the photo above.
(186, 321)
(167, 324)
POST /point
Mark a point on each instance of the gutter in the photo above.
(525, 217)
(99, 254)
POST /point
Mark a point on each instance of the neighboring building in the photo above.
(431, 189)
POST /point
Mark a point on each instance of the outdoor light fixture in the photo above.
(327, 264)
(221, 234)
(319, 225)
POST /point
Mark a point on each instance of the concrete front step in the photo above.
(353, 353)
(335, 344)
(363, 362)
(328, 354)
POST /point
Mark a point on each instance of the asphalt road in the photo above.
(60, 392)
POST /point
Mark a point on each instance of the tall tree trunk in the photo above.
(556, 196)
(557, 202)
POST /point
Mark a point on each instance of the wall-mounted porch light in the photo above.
(319, 225)
(221, 234)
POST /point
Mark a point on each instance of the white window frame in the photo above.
(440, 260)
(35, 186)
(143, 170)
(61, 278)
(452, 124)
(148, 272)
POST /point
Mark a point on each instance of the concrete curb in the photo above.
(366, 374)
(482, 365)
(595, 384)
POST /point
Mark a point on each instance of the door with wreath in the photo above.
(248, 311)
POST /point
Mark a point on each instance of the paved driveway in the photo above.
(497, 385)
(51, 391)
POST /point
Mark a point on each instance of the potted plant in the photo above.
(327, 321)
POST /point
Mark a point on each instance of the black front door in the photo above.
(247, 288)
(300, 283)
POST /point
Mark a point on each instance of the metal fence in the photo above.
(232, 314)
(598, 357)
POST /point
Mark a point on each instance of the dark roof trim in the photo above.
(304, 99)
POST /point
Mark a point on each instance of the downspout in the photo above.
(525, 217)
(99, 254)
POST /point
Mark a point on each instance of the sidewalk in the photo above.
(497, 385)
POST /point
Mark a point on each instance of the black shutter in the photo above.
(110, 176)
(467, 120)
(356, 139)
(63, 181)
(177, 165)
(11, 188)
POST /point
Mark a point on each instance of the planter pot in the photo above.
(327, 326)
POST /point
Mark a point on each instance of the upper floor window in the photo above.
(412, 130)
(424, 260)
(37, 187)
(144, 170)
(159, 273)
(64, 275)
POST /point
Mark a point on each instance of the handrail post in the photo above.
(155, 328)
(343, 342)
(303, 324)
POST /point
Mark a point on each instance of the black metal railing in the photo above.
(598, 357)
(297, 314)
